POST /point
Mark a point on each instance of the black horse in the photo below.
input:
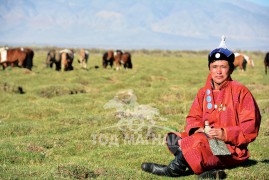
(266, 62)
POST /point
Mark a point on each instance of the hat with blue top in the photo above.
(221, 53)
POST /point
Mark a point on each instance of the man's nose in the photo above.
(219, 70)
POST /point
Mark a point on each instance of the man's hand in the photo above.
(218, 133)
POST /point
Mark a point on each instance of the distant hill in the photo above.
(136, 24)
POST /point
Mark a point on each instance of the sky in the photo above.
(135, 24)
(260, 2)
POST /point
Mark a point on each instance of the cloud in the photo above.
(109, 21)
(108, 14)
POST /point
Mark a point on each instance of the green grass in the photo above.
(60, 129)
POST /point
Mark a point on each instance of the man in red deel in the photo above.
(232, 114)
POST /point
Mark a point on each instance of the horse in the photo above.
(108, 59)
(240, 61)
(119, 58)
(126, 60)
(62, 59)
(249, 60)
(123, 58)
(21, 57)
(30, 56)
(54, 57)
(67, 57)
(266, 62)
(83, 58)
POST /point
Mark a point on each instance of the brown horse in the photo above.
(123, 59)
(21, 57)
(108, 59)
(119, 58)
(67, 57)
(266, 62)
(83, 58)
(240, 61)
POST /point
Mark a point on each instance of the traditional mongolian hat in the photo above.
(221, 53)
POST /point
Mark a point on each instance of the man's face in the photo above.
(219, 71)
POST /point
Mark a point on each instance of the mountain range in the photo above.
(135, 24)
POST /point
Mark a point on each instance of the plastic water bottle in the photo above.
(207, 127)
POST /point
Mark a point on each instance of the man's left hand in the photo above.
(217, 133)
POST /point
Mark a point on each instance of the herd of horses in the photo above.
(63, 59)
(119, 58)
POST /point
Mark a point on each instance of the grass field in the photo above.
(102, 124)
